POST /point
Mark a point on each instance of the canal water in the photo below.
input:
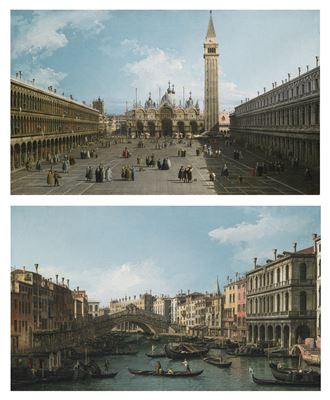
(213, 379)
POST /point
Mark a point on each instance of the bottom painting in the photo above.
(165, 298)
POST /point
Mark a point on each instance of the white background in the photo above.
(7, 201)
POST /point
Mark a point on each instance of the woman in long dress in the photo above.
(50, 178)
(108, 174)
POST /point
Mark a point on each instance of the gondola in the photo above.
(288, 374)
(217, 362)
(269, 382)
(174, 374)
(155, 355)
(184, 351)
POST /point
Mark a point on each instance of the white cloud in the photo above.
(258, 239)
(44, 77)
(44, 33)
(102, 284)
(155, 67)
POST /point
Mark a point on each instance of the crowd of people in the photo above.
(102, 174)
(85, 154)
(128, 173)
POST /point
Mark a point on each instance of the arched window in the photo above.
(278, 275)
(278, 303)
(302, 271)
(303, 301)
(286, 301)
(287, 272)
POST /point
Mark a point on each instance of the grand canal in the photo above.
(235, 378)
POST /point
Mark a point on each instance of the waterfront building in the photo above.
(37, 304)
(234, 312)
(241, 308)
(213, 316)
(317, 250)
(229, 319)
(211, 93)
(176, 301)
(80, 304)
(281, 298)
(94, 309)
(168, 116)
(162, 306)
(44, 122)
(284, 121)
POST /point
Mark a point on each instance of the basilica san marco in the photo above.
(164, 118)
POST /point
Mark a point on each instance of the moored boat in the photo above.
(184, 351)
(218, 362)
(166, 374)
(272, 382)
(288, 374)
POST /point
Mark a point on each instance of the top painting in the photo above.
(165, 102)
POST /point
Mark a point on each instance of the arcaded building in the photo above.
(284, 121)
(281, 298)
(44, 123)
(166, 117)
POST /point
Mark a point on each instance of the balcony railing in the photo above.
(286, 314)
(278, 285)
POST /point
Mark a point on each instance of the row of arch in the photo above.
(296, 91)
(284, 335)
(165, 127)
(22, 125)
(34, 150)
(277, 303)
(276, 276)
(34, 101)
(306, 115)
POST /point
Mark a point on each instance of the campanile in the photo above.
(211, 93)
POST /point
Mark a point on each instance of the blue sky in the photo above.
(110, 53)
(116, 251)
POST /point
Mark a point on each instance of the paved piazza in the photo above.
(154, 181)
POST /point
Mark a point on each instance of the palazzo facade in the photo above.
(284, 121)
(165, 119)
(281, 298)
(44, 122)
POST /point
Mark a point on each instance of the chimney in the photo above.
(275, 253)
(56, 279)
(294, 247)
(289, 75)
(62, 281)
(23, 269)
(36, 267)
(77, 288)
(255, 262)
(264, 90)
(317, 60)
(67, 282)
(299, 71)
(307, 68)
(188, 291)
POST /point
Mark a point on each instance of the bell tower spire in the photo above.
(211, 92)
